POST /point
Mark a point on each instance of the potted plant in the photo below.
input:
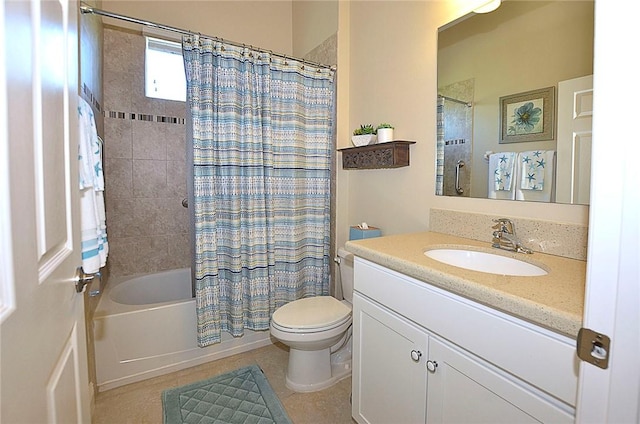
(384, 133)
(364, 135)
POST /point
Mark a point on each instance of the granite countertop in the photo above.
(554, 301)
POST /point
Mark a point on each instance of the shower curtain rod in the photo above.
(462, 102)
(84, 8)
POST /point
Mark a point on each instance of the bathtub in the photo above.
(145, 326)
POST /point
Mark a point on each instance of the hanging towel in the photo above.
(502, 173)
(91, 183)
(503, 169)
(536, 172)
(533, 169)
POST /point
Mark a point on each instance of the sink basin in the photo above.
(485, 262)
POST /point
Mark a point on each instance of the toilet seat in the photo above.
(311, 314)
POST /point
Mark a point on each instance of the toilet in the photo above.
(318, 333)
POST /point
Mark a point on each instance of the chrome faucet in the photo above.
(505, 236)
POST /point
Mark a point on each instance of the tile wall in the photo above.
(144, 165)
(458, 136)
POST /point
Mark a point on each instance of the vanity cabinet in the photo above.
(424, 355)
(389, 378)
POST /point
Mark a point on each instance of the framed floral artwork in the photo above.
(527, 116)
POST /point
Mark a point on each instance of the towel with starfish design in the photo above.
(533, 165)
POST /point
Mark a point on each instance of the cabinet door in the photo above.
(465, 389)
(389, 374)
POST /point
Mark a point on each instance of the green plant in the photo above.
(364, 129)
(384, 126)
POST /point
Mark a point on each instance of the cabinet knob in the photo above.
(415, 355)
(432, 365)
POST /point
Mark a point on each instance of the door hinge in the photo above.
(593, 347)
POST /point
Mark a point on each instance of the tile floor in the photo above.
(140, 403)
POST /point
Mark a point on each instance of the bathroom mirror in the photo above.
(491, 64)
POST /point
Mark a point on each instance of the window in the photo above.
(164, 70)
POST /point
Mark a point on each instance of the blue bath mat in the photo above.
(240, 396)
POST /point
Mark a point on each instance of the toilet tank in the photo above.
(346, 273)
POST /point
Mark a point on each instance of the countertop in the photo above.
(554, 301)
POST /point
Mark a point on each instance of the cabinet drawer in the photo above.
(536, 355)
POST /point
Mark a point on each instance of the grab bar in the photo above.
(459, 165)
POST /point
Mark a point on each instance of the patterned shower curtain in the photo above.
(262, 131)
(440, 146)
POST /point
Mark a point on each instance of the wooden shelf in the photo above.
(394, 154)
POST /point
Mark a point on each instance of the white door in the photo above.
(575, 115)
(42, 334)
(612, 395)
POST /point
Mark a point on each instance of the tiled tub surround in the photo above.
(554, 301)
(145, 165)
(553, 238)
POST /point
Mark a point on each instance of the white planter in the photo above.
(385, 135)
(363, 140)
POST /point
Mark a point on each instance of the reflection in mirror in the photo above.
(505, 78)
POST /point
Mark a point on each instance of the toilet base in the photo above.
(303, 378)
(327, 370)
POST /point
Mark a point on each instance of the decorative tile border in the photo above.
(554, 238)
(455, 141)
(144, 117)
(92, 100)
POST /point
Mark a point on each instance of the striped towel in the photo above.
(91, 182)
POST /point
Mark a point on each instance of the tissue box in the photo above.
(357, 233)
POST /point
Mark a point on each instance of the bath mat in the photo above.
(240, 396)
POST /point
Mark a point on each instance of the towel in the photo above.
(533, 169)
(502, 173)
(536, 174)
(502, 165)
(91, 183)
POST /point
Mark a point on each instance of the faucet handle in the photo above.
(504, 224)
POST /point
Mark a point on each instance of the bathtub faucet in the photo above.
(505, 236)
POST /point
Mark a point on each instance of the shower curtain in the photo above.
(262, 133)
(440, 146)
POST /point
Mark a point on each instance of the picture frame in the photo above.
(528, 116)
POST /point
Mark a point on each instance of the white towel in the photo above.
(91, 181)
(533, 169)
(502, 173)
(503, 169)
(537, 176)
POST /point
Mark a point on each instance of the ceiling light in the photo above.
(488, 7)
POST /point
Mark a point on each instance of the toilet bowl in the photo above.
(318, 333)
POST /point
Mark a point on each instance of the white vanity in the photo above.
(438, 343)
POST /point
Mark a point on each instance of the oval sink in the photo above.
(485, 262)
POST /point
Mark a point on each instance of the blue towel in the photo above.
(502, 166)
(533, 165)
(91, 181)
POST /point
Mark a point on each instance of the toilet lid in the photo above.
(311, 312)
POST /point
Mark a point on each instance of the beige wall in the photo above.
(392, 78)
(265, 24)
(383, 76)
(313, 22)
